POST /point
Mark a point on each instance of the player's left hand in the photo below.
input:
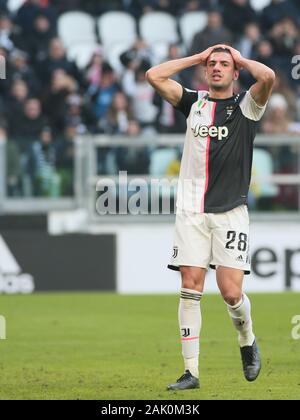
(237, 57)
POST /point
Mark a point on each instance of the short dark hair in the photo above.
(221, 49)
(224, 50)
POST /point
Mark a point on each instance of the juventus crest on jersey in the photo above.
(217, 157)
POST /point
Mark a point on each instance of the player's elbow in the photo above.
(152, 76)
(269, 77)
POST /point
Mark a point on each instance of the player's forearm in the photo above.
(259, 71)
(169, 68)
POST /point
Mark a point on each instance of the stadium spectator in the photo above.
(39, 40)
(93, 71)
(65, 159)
(144, 111)
(3, 6)
(168, 119)
(103, 94)
(139, 55)
(57, 59)
(29, 10)
(283, 37)
(10, 37)
(214, 33)
(265, 53)
(275, 12)
(54, 100)
(27, 126)
(247, 43)
(277, 120)
(134, 160)
(42, 166)
(78, 114)
(282, 86)
(128, 82)
(118, 115)
(21, 69)
(237, 14)
(15, 102)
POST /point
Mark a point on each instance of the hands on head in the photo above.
(236, 55)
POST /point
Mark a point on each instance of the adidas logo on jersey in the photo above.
(220, 133)
(240, 258)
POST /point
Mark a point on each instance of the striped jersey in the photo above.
(217, 156)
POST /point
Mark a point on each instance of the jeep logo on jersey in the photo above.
(220, 133)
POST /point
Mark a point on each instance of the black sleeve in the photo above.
(187, 99)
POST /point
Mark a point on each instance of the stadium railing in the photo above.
(272, 153)
(19, 204)
(280, 152)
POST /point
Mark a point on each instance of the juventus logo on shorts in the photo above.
(175, 252)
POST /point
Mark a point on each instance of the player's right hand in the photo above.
(203, 56)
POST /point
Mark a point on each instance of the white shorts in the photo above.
(212, 239)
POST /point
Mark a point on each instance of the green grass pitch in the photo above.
(106, 346)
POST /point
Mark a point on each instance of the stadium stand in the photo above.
(67, 63)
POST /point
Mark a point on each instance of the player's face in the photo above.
(221, 71)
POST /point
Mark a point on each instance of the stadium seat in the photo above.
(14, 5)
(160, 160)
(82, 53)
(160, 52)
(259, 5)
(115, 28)
(191, 23)
(74, 27)
(158, 27)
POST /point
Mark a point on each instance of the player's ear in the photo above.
(236, 74)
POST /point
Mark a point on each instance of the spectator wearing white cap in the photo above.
(277, 120)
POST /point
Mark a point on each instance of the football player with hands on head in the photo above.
(212, 222)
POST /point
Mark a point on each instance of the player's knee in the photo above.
(232, 298)
(189, 283)
(191, 280)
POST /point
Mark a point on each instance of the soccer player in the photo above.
(212, 223)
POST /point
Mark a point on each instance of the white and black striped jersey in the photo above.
(217, 156)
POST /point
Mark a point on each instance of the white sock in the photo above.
(241, 318)
(189, 316)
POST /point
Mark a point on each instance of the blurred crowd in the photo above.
(46, 99)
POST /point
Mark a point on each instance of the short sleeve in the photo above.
(187, 100)
(250, 109)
